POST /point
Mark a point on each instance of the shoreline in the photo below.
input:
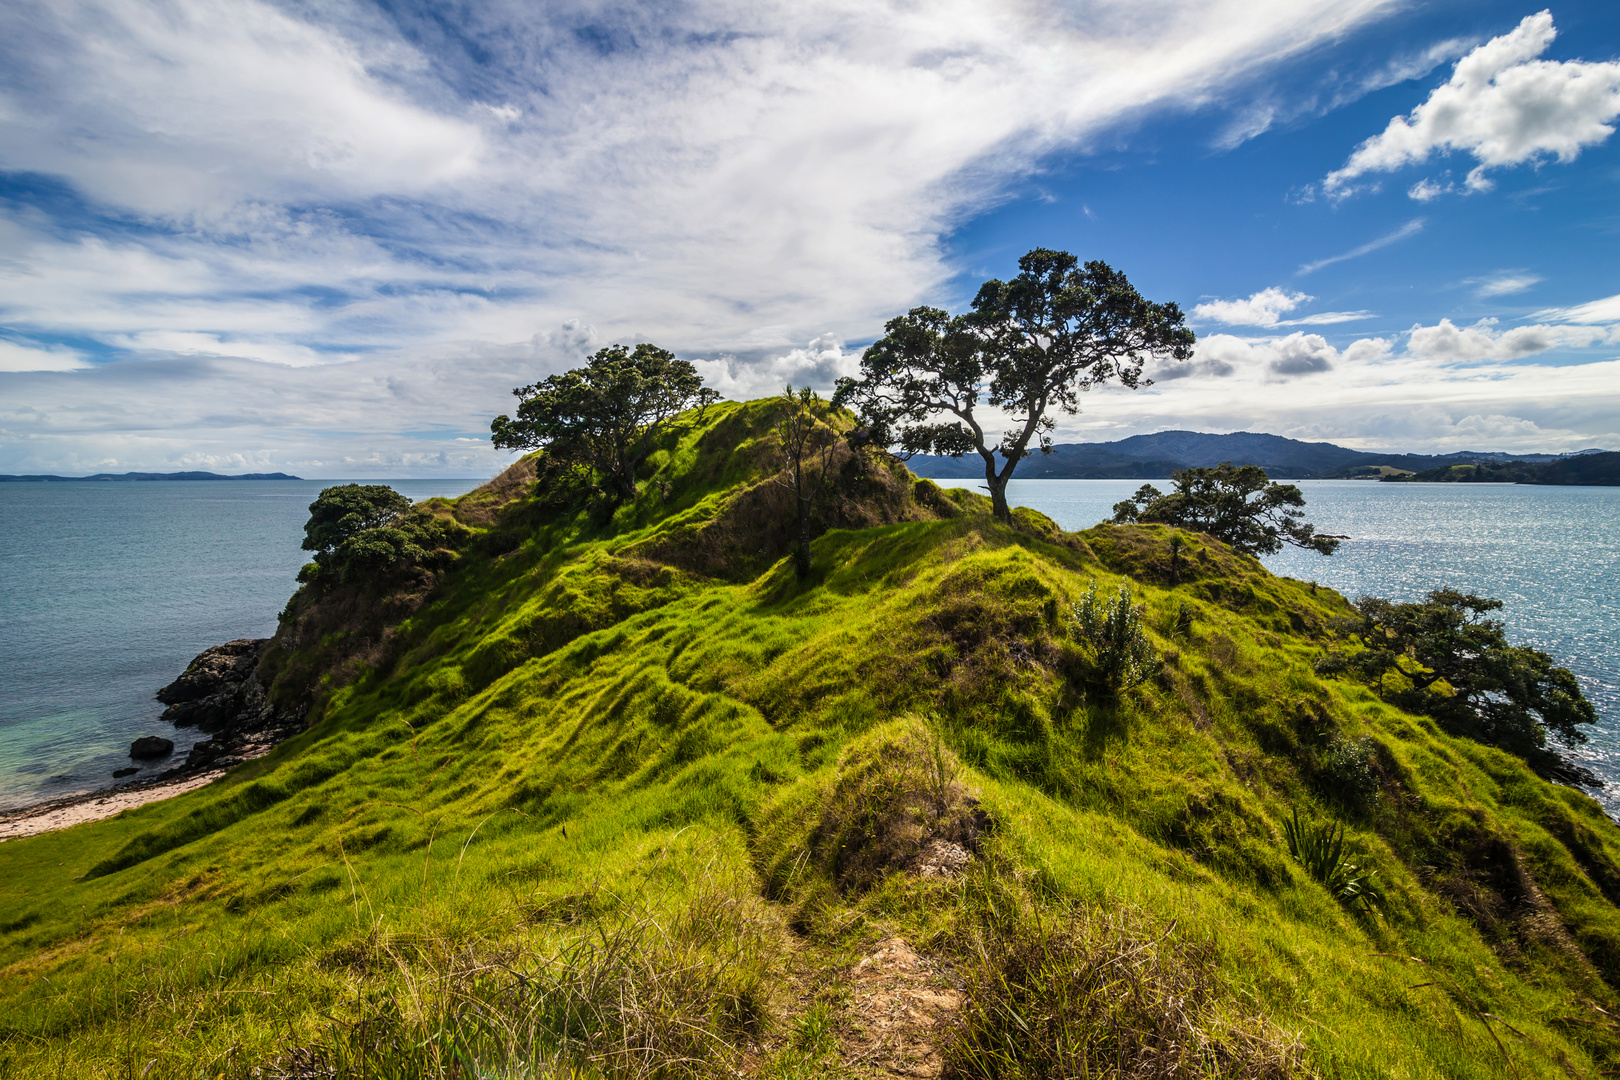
(70, 810)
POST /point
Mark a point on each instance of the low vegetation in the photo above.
(617, 792)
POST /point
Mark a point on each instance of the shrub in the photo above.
(1122, 655)
(1320, 849)
(1346, 773)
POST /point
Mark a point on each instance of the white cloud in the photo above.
(1482, 341)
(1426, 191)
(1328, 318)
(15, 356)
(1503, 106)
(1411, 228)
(1606, 310)
(1503, 283)
(1298, 353)
(1261, 309)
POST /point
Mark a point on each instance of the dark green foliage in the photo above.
(1029, 348)
(1122, 655)
(605, 415)
(1237, 504)
(1346, 775)
(364, 529)
(340, 514)
(1320, 849)
(1444, 658)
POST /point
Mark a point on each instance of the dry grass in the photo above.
(1106, 997)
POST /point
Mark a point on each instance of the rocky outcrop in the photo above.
(219, 692)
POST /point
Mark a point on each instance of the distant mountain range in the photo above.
(1154, 457)
(147, 476)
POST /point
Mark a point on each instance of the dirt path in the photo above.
(901, 1003)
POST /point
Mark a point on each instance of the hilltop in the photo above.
(1156, 456)
(604, 790)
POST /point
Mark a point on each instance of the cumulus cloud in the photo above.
(1298, 353)
(1263, 308)
(1503, 106)
(1447, 342)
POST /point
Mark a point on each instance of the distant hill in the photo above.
(1585, 468)
(1153, 457)
(146, 476)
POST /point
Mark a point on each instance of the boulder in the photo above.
(148, 747)
(119, 774)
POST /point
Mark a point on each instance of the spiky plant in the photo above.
(1320, 849)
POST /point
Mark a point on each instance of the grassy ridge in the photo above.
(590, 804)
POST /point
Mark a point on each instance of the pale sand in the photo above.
(61, 813)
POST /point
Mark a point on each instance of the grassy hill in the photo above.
(615, 794)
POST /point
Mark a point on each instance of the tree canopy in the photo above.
(360, 527)
(1237, 504)
(1443, 657)
(1026, 351)
(606, 414)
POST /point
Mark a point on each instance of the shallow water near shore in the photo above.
(1550, 554)
(107, 590)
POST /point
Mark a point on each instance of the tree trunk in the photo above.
(998, 499)
(801, 557)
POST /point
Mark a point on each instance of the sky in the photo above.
(328, 237)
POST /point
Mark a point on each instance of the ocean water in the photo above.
(107, 590)
(1550, 554)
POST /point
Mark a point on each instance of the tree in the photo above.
(807, 451)
(1446, 659)
(1029, 348)
(1236, 504)
(359, 528)
(606, 414)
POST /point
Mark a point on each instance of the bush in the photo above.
(1320, 849)
(1122, 655)
(1346, 774)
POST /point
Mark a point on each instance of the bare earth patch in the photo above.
(900, 1003)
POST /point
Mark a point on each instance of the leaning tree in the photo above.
(1026, 351)
(605, 415)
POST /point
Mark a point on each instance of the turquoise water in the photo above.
(1550, 554)
(107, 591)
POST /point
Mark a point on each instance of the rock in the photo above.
(148, 747)
(220, 693)
(119, 774)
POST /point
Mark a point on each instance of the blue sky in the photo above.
(329, 237)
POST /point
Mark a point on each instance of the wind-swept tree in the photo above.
(807, 452)
(1237, 504)
(1444, 657)
(1027, 350)
(606, 414)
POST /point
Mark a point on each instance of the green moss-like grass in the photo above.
(606, 724)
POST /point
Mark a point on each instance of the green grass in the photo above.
(579, 801)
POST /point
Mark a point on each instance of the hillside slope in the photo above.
(614, 794)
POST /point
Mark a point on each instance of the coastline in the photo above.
(71, 810)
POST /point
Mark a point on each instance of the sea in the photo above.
(107, 591)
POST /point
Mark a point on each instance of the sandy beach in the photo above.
(73, 810)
